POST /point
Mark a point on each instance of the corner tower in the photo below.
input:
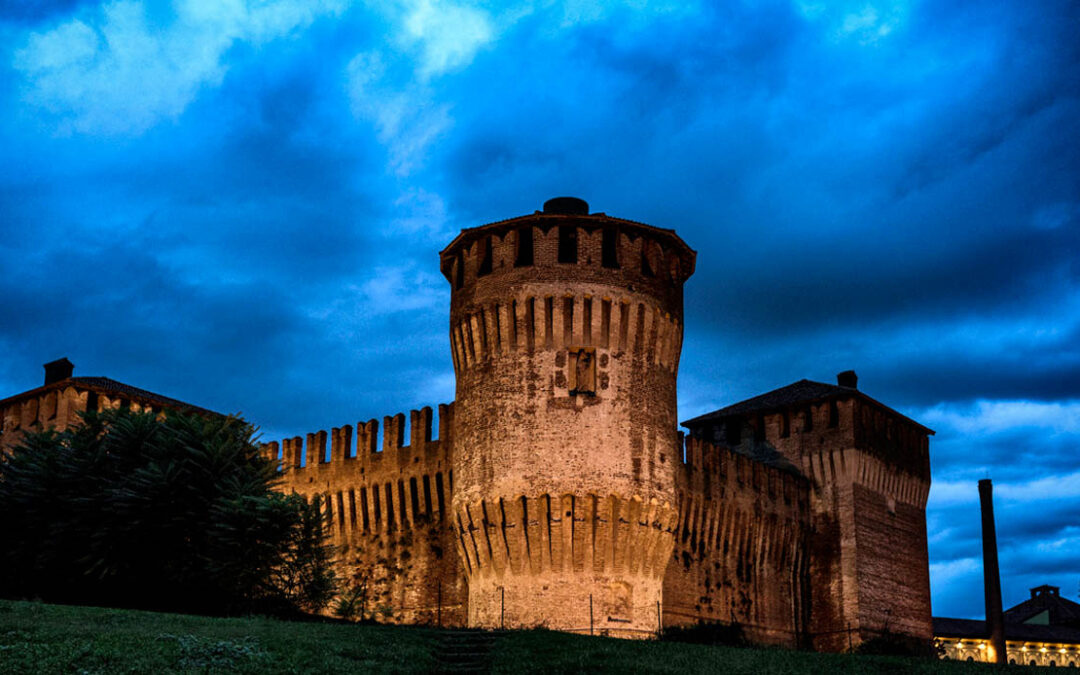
(566, 329)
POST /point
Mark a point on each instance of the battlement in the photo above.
(552, 244)
(710, 468)
(379, 484)
(308, 453)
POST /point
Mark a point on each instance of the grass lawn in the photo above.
(538, 651)
(39, 638)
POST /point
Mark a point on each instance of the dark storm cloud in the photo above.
(925, 243)
(1016, 454)
(33, 11)
(225, 256)
(1019, 529)
(1037, 372)
(132, 315)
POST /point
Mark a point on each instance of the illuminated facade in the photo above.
(1041, 631)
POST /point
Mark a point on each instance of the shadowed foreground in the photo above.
(40, 638)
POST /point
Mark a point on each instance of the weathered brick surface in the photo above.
(893, 570)
(387, 503)
(565, 500)
(56, 407)
(741, 544)
(869, 472)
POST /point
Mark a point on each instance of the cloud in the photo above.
(393, 289)
(31, 11)
(986, 417)
(123, 68)
(448, 35)
(407, 118)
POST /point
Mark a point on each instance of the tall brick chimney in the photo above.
(58, 370)
(995, 617)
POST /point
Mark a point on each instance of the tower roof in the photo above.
(557, 213)
(108, 386)
(797, 393)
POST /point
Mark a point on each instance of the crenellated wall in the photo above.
(740, 546)
(387, 500)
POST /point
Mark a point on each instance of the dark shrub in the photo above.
(175, 512)
(893, 644)
(707, 633)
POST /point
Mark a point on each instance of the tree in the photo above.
(173, 512)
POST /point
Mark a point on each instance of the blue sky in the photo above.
(240, 204)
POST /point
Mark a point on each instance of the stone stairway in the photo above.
(466, 651)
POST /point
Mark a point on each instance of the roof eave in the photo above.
(720, 414)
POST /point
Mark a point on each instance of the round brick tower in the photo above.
(566, 330)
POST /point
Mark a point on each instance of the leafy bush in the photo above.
(206, 654)
(707, 633)
(351, 603)
(894, 644)
(174, 513)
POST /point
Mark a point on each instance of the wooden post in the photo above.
(502, 608)
(439, 611)
(659, 622)
(590, 615)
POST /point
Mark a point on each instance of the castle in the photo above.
(558, 491)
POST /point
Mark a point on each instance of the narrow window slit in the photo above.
(568, 252)
(524, 247)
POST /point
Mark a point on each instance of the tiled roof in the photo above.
(106, 385)
(1061, 610)
(796, 393)
(975, 629)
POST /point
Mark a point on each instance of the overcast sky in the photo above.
(240, 204)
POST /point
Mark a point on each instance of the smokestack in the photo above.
(995, 618)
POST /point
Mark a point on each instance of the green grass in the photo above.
(548, 652)
(39, 638)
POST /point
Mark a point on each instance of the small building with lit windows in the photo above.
(1044, 630)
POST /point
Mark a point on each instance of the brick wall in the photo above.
(387, 503)
(741, 546)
